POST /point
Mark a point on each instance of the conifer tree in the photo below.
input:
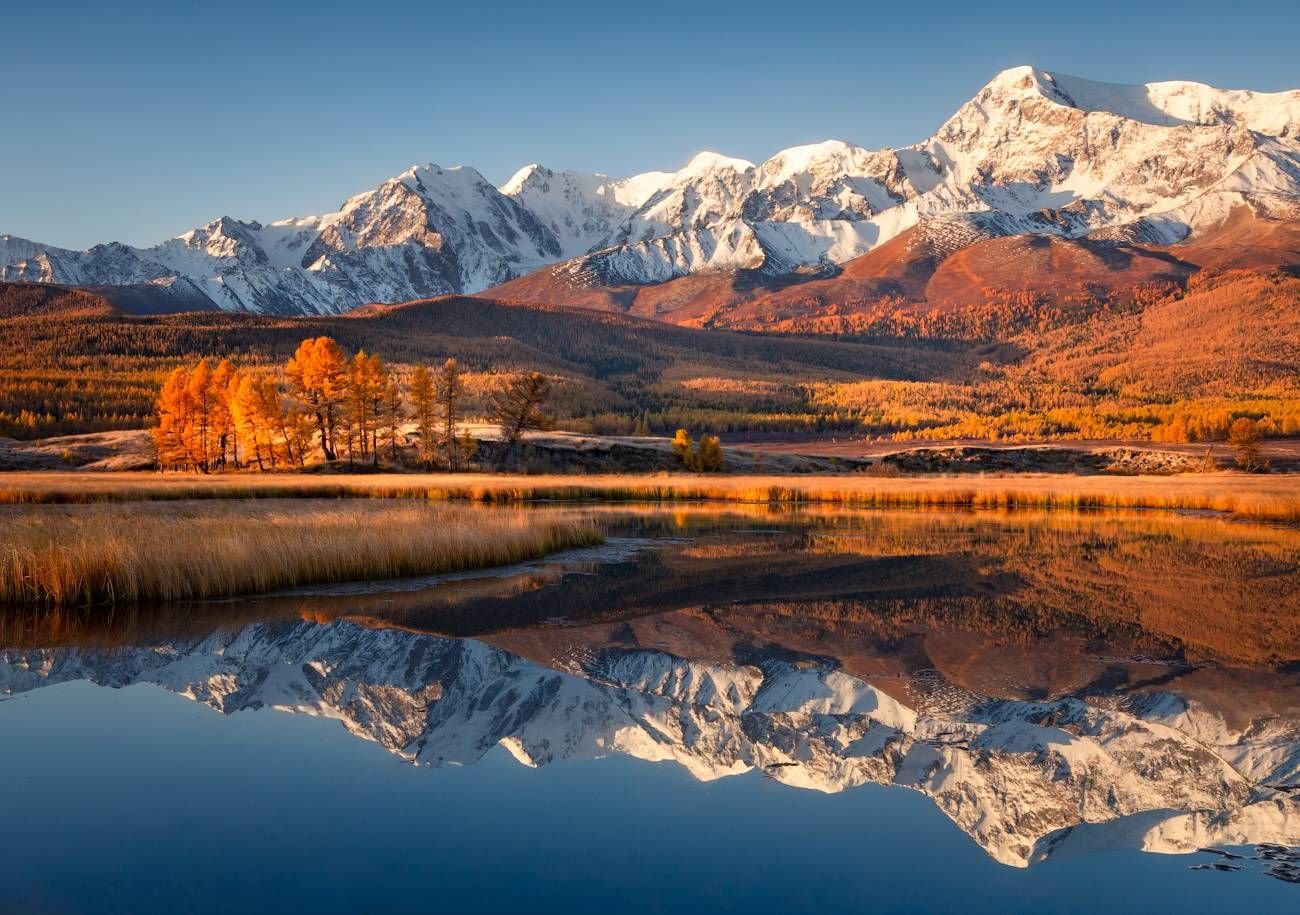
(393, 412)
(684, 448)
(200, 394)
(423, 404)
(277, 421)
(517, 407)
(169, 435)
(385, 405)
(224, 381)
(450, 392)
(708, 456)
(247, 412)
(317, 376)
(1243, 436)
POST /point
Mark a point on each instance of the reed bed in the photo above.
(70, 555)
(1263, 497)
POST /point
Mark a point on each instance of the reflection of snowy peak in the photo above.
(1019, 777)
(1033, 152)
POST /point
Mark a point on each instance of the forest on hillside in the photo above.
(1172, 365)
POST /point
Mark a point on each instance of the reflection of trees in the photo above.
(1175, 587)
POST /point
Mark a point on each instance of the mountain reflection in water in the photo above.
(1051, 681)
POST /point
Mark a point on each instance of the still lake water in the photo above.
(717, 711)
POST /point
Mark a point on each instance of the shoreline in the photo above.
(1269, 497)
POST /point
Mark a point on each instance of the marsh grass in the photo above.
(69, 555)
(1262, 497)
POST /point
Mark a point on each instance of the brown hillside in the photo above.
(1230, 332)
(691, 301)
(939, 265)
(1244, 242)
(65, 373)
(744, 298)
(1047, 264)
(44, 299)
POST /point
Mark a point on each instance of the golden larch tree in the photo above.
(317, 375)
(171, 433)
(423, 404)
(450, 394)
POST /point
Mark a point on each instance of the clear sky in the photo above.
(136, 121)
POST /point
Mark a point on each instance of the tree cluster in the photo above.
(704, 456)
(1108, 366)
(324, 404)
(214, 418)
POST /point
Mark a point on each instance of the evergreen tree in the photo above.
(392, 412)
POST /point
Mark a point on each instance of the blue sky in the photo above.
(137, 123)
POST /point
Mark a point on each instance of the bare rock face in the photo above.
(1032, 152)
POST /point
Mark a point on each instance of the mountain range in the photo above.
(1041, 178)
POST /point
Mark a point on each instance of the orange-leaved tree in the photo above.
(1243, 436)
(423, 404)
(225, 379)
(390, 413)
(170, 434)
(317, 375)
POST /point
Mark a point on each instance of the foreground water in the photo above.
(716, 711)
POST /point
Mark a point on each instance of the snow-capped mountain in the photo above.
(1032, 152)
(1150, 769)
(426, 232)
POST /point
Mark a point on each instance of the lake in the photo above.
(718, 710)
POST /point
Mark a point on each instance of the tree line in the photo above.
(79, 370)
(325, 405)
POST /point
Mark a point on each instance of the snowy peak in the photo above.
(829, 155)
(704, 164)
(584, 211)
(1033, 152)
(459, 181)
(1174, 103)
(531, 175)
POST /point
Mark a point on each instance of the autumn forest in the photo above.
(1014, 368)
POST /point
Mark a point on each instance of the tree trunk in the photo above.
(325, 444)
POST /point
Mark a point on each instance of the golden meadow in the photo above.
(128, 553)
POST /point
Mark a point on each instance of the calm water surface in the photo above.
(717, 711)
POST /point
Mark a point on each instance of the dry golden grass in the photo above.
(1264, 497)
(130, 553)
